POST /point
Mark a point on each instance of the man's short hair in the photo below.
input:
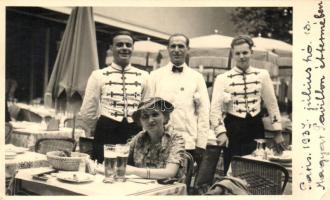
(121, 32)
(179, 34)
(241, 39)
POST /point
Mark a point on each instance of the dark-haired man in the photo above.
(185, 88)
(112, 95)
(238, 93)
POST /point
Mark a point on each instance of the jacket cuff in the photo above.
(219, 129)
(277, 126)
(201, 142)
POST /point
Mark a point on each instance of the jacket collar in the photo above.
(120, 68)
(164, 141)
(239, 70)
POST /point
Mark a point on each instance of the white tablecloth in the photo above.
(38, 109)
(25, 134)
(25, 160)
(53, 186)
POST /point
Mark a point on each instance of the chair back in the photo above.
(69, 122)
(86, 145)
(26, 115)
(188, 169)
(263, 177)
(45, 145)
(8, 130)
(206, 171)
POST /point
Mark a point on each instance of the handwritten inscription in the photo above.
(320, 48)
(320, 96)
(313, 97)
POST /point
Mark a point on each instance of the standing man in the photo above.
(185, 88)
(237, 94)
(112, 95)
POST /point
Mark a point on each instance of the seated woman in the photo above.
(156, 152)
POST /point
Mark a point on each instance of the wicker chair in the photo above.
(45, 145)
(263, 178)
(205, 174)
(8, 130)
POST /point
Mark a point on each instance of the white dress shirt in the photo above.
(187, 92)
(246, 90)
(114, 93)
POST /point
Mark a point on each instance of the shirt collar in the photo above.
(237, 69)
(118, 67)
(164, 140)
(170, 65)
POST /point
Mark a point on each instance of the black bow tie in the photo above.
(177, 69)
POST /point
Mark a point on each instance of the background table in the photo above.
(53, 186)
(25, 134)
(25, 160)
(26, 112)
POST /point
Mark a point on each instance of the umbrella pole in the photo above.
(73, 126)
(147, 61)
(229, 60)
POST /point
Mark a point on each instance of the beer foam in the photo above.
(110, 154)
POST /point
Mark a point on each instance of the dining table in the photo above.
(26, 134)
(40, 110)
(21, 158)
(54, 185)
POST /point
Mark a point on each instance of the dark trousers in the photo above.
(109, 131)
(241, 133)
(196, 158)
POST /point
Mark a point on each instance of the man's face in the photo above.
(177, 49)
(122, 48)
(242, 54)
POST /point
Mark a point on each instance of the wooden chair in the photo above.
(8, 130)
(263, 178)
(11, 184)
(86, 145)
(45, 145)
(26, 115)
(78, 124)
(205, 174)
(188, 169)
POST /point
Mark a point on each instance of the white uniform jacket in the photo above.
(245, 91)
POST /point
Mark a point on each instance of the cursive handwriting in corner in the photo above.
(321, 17)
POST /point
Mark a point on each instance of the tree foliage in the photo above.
(273, 22)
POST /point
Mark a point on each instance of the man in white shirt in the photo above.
(185, 88)
(112, 95)
(237, 94)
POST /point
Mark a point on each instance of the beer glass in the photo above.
(110, 161)
(260, 150)
(122, 156)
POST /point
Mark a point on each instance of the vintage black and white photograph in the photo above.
(140, 100)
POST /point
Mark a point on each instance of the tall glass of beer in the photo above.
(122, 156)
(110, 162)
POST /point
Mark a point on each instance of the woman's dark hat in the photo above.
(152, 103)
